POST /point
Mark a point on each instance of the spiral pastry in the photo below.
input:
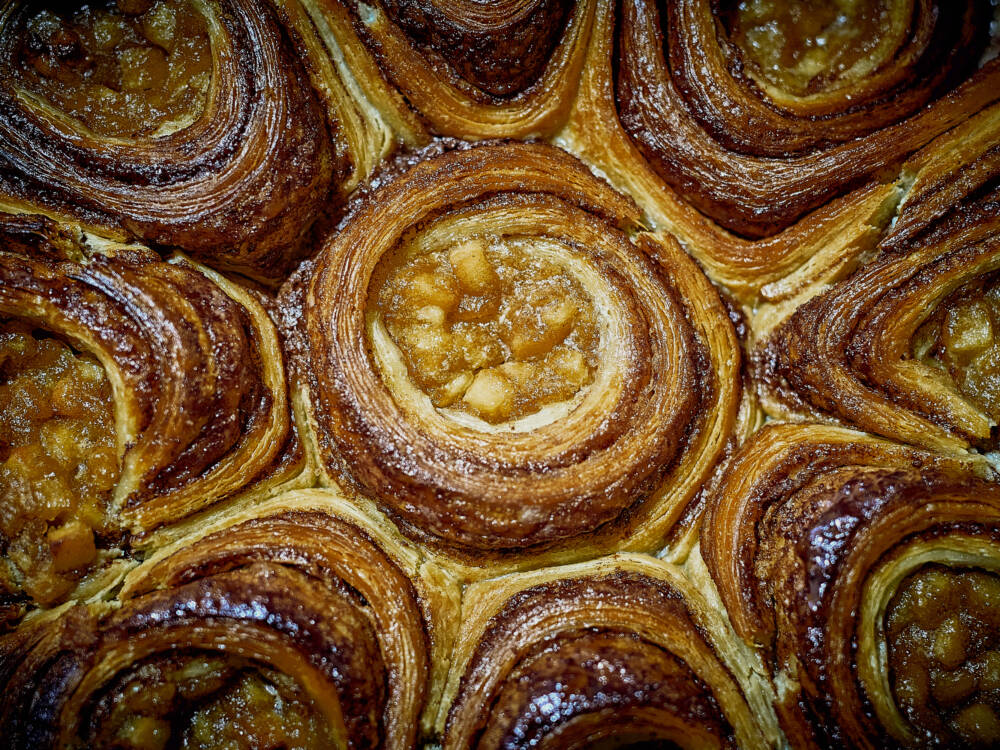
(605, 653)
(185, 124)
(500, 358)
(477, 70)
(866, 572)
(133, 391)
(905, 346)
(296, 625)
(767, 139)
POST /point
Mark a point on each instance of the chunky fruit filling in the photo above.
(209, 704)
(943, 632)
(961, 337)
(488, 328)
(124, 68)
(58, 462)
(803, 48)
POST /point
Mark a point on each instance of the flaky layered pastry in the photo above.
(135, 391)
(866, 574)
(905, 347)
(501, 359)
(298, 624)
(617, 651)
(773, 157)
(223, 129)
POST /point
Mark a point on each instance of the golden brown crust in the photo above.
(608, 649)
(194, 360)
(658, 406)
(238, 187)
(298, 588)
(825, 520)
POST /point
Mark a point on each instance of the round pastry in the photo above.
(296, 625)
(769, 139)
(611, 652)
(867, 575)
(134, 391)
(501, 358)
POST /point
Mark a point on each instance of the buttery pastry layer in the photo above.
(609, 653)
(295, 625)
(500, 358)
(135, 391)
(186, 124)
(866, 574)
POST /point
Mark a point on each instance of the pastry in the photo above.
(866, 575)
(135, 391)
(426, 374)
(499, 357)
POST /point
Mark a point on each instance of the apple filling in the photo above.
(210, 704)
(961, 338)
(490, 329)
(124, 68)
(943, 632)
(58, 462)
(808, 47)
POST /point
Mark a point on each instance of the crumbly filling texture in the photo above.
(207, 703)
(124, 68)
(488, 328)
(58, 462)
(961, 338)
(804, 48)
(943, 633)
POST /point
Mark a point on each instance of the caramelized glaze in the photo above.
(123, 68)
(58, 461)
(943, 630)
(488, 328)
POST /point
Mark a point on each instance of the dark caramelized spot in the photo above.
(123, 69)
(209, 703)
(806, 47)
(943, 632)
(961, 337)
(490, 329)
(500, 47)
(58, 461)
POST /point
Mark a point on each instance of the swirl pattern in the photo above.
(237, 156)
(843, 538)
(195, 402)
(300, 625)
(652, 402)
(610, 651)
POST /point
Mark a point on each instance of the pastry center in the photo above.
(209, 704)
(808, 47)
(961, 338)
(490, 328)
(58, 461)
(943, 632)
(124, 68)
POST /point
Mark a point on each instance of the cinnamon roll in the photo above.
(904, 347)
(499, 356)
(296, 625)
(866, 573)
(768, 139)
(133, 391)
(476, 70)
(612, 653)
(220, 128)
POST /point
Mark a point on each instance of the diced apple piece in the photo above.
(969, 329)
(432, 289)
(455, 389)
(472, 268)
(571, 366)
(430, 314)
(557, 323)
(490, 395)
(72, 546)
